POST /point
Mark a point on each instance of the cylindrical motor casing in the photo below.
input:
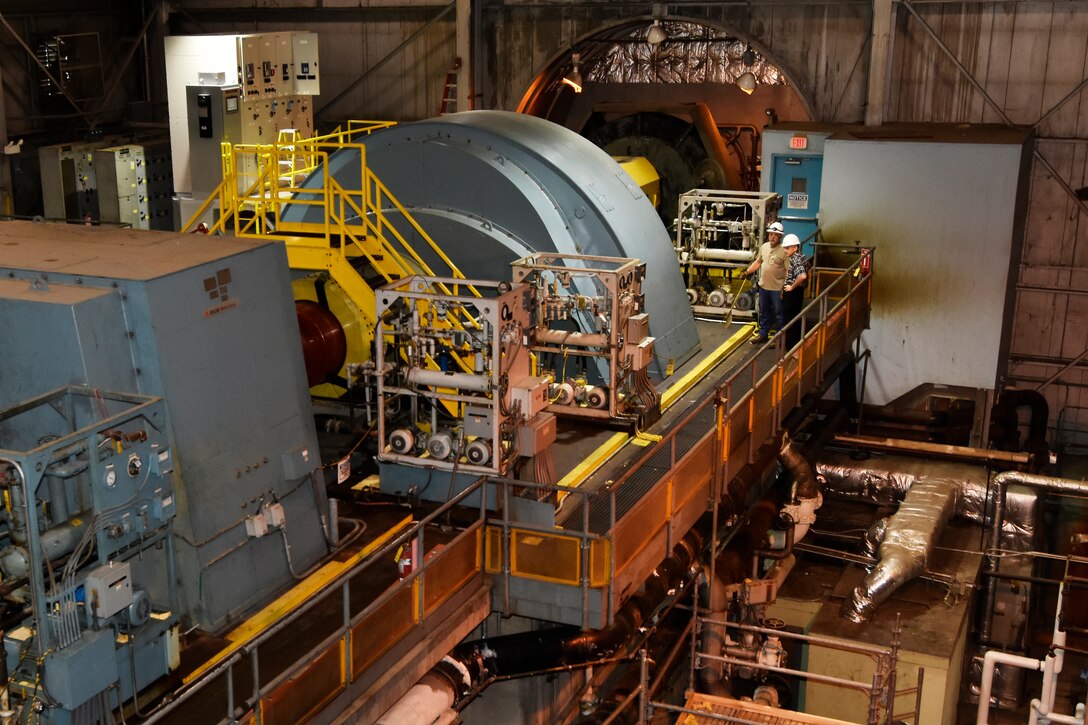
(718, 297)
(597, 397)
(139, 611)
(440, 445)
(478, 452)
(402, 440)
(562, 394)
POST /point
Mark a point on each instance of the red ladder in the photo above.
(449, 91)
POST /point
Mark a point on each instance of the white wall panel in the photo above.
(941, 216)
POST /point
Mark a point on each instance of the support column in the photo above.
(7, 202)
(464, 23)
(879, 65)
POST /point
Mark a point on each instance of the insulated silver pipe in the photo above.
(908, 543)
(1000, 486)
(874, 536)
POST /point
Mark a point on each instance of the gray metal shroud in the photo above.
(491, 187)
(208, 324)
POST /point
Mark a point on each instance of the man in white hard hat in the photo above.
(793, 289)
(771, 262)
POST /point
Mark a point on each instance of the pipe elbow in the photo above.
(890, 573)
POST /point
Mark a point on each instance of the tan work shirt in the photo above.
(772, 268)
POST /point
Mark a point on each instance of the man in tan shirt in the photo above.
(771, 262)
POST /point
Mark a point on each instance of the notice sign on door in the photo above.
(797, 200)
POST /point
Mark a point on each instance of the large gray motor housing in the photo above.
(491, 187)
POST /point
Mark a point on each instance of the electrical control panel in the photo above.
(590, 334)
(718, 233)
(304, 67)
(123, 189)
(108, 589)
(69, 181)
(215, 115)
(279, 66)
(455, 379)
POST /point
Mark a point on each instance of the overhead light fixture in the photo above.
(574, 78)
(747, 82)
(656, 35)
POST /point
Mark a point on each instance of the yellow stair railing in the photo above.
(261, 181)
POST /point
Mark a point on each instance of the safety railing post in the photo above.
(643, 685)
(345, 611)
(752, 413)
(584, 554)
(256, 674)
(421, 582)
(505, 545)
(230, 693)
(611, 548)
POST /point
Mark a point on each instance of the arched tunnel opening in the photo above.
(694, 104)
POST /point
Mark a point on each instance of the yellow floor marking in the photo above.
(697, 373)
(580, 473)
(592, 462)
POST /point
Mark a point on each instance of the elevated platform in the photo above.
(619, 520)
(350, 639)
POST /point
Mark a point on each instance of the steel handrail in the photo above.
(341, 581)
(748, 368)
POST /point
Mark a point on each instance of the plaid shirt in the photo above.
(796, 268)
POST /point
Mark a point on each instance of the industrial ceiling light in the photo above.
(656, 35)
(747, 82)
(574, 78)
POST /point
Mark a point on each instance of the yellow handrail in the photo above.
(260, 181)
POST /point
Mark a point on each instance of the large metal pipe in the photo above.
(565, 337)
(799, 469)
(459, 381)
(887, 479)
(426, 702)
(908, 543)
(1001, 483)
(724, 255)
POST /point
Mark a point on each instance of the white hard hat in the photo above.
(776, 227)
(790, 240)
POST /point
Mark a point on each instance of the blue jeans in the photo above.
(770, 302)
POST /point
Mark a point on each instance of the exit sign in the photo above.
(799, 142)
